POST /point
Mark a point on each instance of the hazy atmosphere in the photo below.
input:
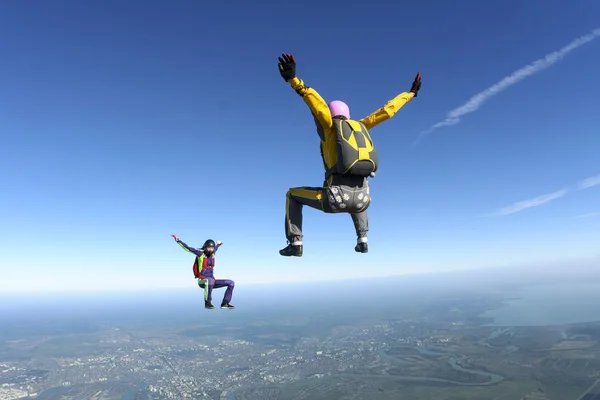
(123, 123)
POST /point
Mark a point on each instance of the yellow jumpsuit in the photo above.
(339, 193)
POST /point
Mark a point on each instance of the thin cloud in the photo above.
(534, 202)
(594, 214)
(547, 198)
(453, 117)
(589, 182)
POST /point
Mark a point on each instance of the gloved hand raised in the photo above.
(287, 66)
(416, 84)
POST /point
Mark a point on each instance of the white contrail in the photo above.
(547, 198)
(594, 214)
(534, 202)
(589, 182)
(453, 117)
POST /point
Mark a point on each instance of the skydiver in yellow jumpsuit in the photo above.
(342, 190)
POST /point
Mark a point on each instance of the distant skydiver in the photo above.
(203, 271)
(349, 158)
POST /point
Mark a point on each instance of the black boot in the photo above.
(292, 250)
(208, 304)
(227, 305)
(361, 248)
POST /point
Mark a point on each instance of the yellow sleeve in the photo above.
(387, 111)
(314, 101)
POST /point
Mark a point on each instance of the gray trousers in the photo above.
(341, 194)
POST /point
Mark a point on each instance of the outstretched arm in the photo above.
(388, 110)
(393, 106)
(197, 252)
(187, 248)
(314, 101)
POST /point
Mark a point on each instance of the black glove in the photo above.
(287, 66)
(416, 84)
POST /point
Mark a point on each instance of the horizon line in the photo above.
(248, 283)
(546, 263)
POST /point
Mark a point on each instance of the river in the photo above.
(453, 362)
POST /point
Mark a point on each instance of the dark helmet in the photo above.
(209, 243)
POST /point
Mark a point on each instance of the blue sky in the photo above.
(124, 122)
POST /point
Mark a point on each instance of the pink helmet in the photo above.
(338, 108)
